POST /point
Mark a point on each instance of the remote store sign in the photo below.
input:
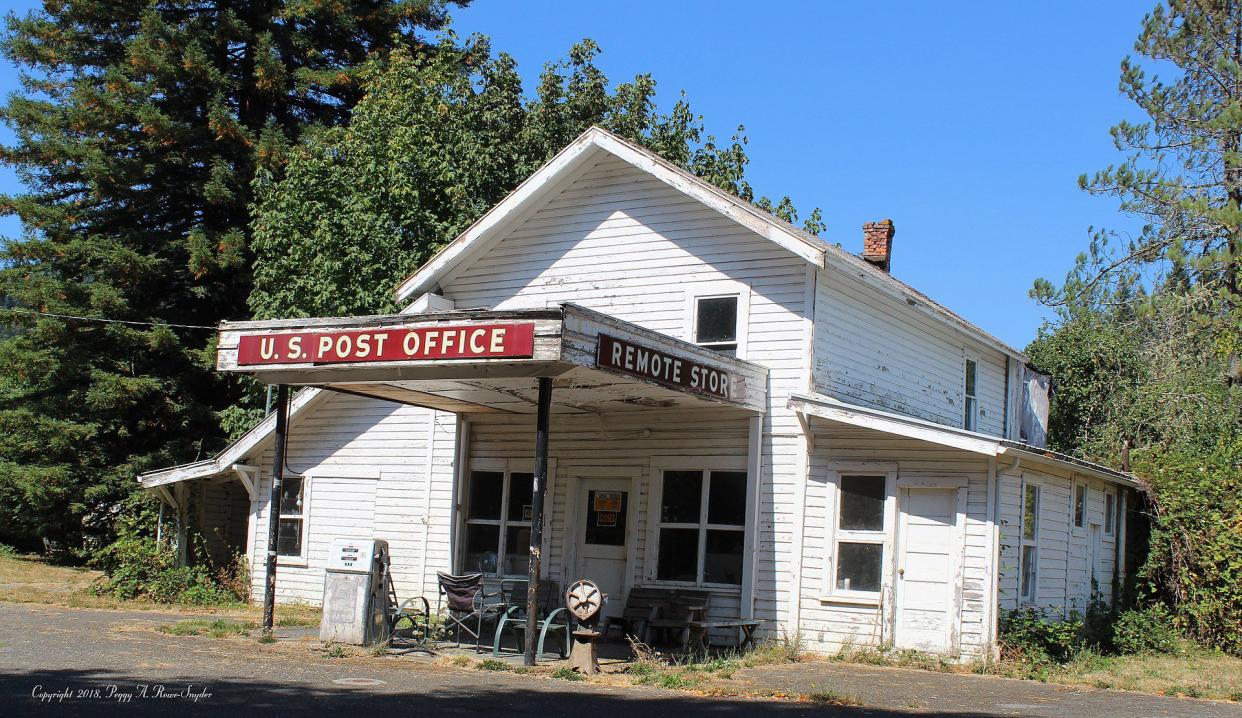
(475, 341)
(672, 371)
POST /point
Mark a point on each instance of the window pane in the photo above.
(1029, 562)
(859, 566)
(862, 503)
(517, 551)
(968, 416)
(291, 497)
(970, 378)
(683, 495)
(485, 494)
(482, 544)
(289, 537)
(607, 527)
(1108, 513)
(726, 498)
(1030, 511)
(679, 555)
(722, 561)
(1080, 504)
(716, 320)
(521, 488)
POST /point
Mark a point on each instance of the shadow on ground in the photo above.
(289, 697)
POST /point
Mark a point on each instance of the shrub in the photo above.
(1032, 636)
(1147, 630)
(566, 673)
(141, 568)
(7, 550)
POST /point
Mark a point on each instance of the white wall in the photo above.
(1063, 550)
(873, 350)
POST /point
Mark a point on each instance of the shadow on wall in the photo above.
(239, 697)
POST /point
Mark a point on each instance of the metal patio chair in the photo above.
(467, 605)
(552, 617)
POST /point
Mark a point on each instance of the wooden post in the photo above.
(273, 507)
(540, 484)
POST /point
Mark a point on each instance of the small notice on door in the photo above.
(606, 518)
(607, 501)
(528, 512)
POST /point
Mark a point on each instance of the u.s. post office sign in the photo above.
(661, 367)
(475, 341)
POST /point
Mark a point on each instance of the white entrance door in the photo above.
(927, 570)
(603, 533)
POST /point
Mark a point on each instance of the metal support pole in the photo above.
(273, 507)
(539, 485)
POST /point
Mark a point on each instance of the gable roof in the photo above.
(547, 181)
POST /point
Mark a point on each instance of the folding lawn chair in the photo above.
(552, 617)
(466, 604)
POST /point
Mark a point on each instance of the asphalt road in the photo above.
(56, 661)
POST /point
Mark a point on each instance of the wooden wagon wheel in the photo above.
(584, 600)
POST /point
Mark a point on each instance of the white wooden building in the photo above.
(737, 405)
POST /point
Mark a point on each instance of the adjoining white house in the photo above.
(737, 406)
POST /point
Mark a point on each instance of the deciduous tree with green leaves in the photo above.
(139, 128)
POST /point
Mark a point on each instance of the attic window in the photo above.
(715, 323)
(971, 404)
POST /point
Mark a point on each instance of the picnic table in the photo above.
(700, 628)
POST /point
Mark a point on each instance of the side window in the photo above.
(1110, 512)
(1080, 504)
(702, 527)
(1029, 569)
(498, 506)
(291, 526)
(860, 535)
(970, 406)
(716, 323)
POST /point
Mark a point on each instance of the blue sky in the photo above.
(966, 124)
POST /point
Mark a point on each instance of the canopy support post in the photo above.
(273, 506)
(540, 484)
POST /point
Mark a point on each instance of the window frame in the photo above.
(1078, 512)
(507, 467)
(718, 290)
(1110, 513)
(301, 558)
(886, 537)
(970, 394)
(707, 465)
(1032, 542)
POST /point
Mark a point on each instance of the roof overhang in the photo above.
(834, 410)
(486, 361)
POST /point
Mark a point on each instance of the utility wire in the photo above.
(109, 321)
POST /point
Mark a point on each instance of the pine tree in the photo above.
(1182, 175)
(139, 130)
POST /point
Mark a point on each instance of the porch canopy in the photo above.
(473, 361)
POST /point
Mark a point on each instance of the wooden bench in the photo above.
(652, 608)
(699, 630)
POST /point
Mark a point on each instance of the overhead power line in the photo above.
(110, 321)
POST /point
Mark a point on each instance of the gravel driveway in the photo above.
(58, 661)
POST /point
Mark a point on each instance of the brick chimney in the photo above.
(878, 243)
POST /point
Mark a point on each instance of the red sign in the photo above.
(475, 341)
(655, 365)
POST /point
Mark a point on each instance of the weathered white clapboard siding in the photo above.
(830, 625)
(366, 461)
(635, 440)
(877, 351)
(1064, 552)
(675, 248)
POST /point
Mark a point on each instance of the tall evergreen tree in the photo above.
(1182, 175)
(139, 129)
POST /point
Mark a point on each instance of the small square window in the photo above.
(682, 497)
(289, 537)
(486, 493)
(722, 558)
(726, 498)
(715, 322)
(481, 543)
(862, 503)
(859, 566)
(678, 559)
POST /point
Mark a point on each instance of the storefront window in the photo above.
(702, 527)
(498, 543)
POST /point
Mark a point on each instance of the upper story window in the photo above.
(715, 323)
(717, 314)
(970, 407)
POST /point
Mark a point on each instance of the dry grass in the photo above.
(28, 579)
(1197, 674)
